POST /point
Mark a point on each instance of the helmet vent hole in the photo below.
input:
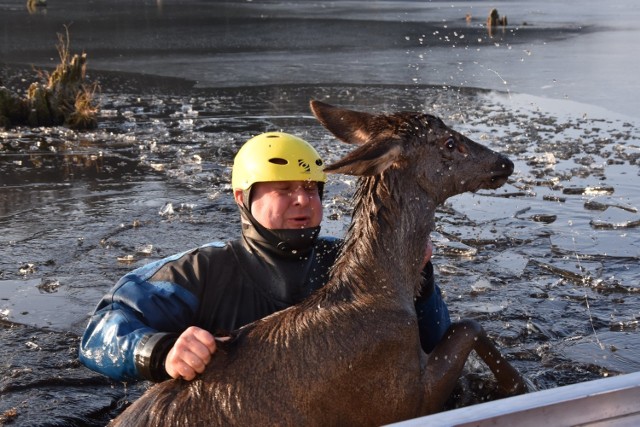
(278, 161)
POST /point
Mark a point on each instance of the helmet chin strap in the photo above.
(288, 242)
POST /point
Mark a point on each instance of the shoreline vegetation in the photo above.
(62, 97)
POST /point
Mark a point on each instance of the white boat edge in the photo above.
(612, 401)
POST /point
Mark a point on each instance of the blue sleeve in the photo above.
(433, 319)
(433, 314)
(134, 309)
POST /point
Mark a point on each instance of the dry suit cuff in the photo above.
(151, 353)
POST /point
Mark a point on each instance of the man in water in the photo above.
(158, 322)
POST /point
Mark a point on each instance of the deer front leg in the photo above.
(509, 379)
(445, 364)
(446, 361)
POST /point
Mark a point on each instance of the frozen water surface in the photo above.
(548, 263)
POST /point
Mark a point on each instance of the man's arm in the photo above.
(433, 315)
(136, 324)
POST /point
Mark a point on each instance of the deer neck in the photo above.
(386, 242)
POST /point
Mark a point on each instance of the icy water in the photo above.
(548, 263)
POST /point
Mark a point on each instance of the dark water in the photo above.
(548, 263)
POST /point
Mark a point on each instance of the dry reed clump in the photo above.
(62, 98)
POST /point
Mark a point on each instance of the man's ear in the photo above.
(238, 195)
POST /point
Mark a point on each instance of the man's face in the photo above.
(285, 204)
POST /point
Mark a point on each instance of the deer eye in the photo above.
(450, 144)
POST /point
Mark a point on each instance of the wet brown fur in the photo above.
(350, 354)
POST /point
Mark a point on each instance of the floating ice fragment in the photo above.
(127, 259)
(186, 207)
(31, 345)
(482, 285)
(48, 286)
(509, 263)
(167, 209)
(145, 249)
(545, 218)
(185, 123)
(457, 249)
(599, 190)
(485, 308)
(608, 225)
(553, 198)
(27, 268)
(108, 113)
(595, 205)
(578, 271)
(544, 158)
(595, 190)
(602, 204)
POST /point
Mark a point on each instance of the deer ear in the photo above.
(347, 125)
(371, 158)
(368, 160)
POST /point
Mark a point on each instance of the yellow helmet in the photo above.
(276, 156)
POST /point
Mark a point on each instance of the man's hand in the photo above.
(428, 253)
(190, 354)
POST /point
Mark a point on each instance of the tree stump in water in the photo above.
(62, 98)
(494, 19)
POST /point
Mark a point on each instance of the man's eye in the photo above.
(311, 187)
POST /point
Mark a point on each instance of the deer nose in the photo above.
(506, 165)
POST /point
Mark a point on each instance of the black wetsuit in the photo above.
(218, 287)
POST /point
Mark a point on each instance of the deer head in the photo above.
(442, 162)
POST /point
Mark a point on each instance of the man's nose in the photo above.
(300, 196)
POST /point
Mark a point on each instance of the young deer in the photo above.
(350, 354)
